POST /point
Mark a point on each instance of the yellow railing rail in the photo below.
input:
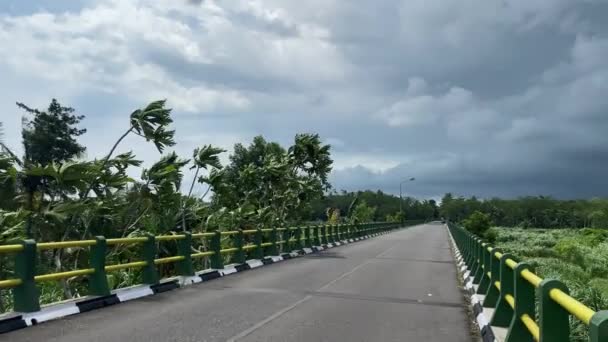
(125, 241)
(169, 260)
(134, 264)
(10, 283)
(11, 248)
(511, 263)
(65, 244)
(63, 275)
(170, 237)
(573, 306)
(229, 250)
(202, 254)
(531, 277)
(201, 235)
(531, 325)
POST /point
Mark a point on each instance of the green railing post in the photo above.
(484, 284)
(298, 238)
(479, 255)
(340, 232)
(324, 234)
(469, 255)
(273, 250)
(317, 236)
(98, 281)
(307, 238)
(259, 239)
(503, 313)
(492, 294)
(524, 305)
(598, 327)
(239, 256)
(184, 248)
(26, 294)
(286, 248)
(217, 261)
(554, 321)
(476, 263)
(149, 272)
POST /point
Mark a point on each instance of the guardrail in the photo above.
(263, 242)
(532, 308)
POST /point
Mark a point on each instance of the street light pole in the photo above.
(401, 197)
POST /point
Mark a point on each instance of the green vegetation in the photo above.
(577, 257)
(387, 206)
(478, 223)
(52, 193)
(571, 244)
(541, 211)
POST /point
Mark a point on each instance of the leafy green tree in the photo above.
(598, 219)
(277, 184)
(50, 136)
(362, 213)
(478, 223)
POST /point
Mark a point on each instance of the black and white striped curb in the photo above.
(16, 321)
(487, 334)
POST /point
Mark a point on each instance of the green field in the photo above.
(578, 257)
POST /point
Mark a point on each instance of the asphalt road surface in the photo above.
(400, 286)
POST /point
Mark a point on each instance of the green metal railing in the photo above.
(532, 308)
(263, 242)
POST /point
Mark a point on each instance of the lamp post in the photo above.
(400, 197)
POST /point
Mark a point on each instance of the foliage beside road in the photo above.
(577, 257)
(528, 212)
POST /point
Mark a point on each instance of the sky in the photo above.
(486, 97)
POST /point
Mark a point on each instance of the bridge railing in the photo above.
(532, 308)
(252, 243)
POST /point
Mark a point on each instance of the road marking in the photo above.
(258, 325)
(418, 260)
(274, 316)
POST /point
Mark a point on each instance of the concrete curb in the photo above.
(481, 315)
(14, 321)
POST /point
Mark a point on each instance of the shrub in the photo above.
(491, 235)
(478, 223)
(570, 250)
(593, 237)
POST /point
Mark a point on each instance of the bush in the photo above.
(593, 237)
(571, 250)
(491, 235)
(478, 223)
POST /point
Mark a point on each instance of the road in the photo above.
(396, 287)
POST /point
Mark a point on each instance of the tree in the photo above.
(598, 219)
(362, 213)
(50, 137)
(275, 183)
(478, 223)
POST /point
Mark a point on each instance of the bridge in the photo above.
(373, 282)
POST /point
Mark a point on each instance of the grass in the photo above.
(577, 257)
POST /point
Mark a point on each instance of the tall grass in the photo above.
(577, 257)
